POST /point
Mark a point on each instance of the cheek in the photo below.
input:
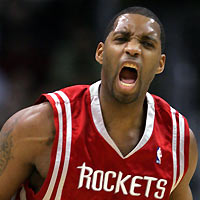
(152, 61)
(150, 65)
(109, 62)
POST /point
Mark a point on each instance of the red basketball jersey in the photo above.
(87, 165)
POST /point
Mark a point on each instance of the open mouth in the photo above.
(128, 75)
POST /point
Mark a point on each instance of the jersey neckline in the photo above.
(100, 126)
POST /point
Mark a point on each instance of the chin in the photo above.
(126, 99)
(124, 96)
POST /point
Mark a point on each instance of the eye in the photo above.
(121, 39)
(148, 44)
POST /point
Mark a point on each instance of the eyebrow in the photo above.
(126, 33)
(149, 37)
(144, 36)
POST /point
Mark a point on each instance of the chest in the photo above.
(87, 164)
(125, 141)
(102, 166)
(95, 168)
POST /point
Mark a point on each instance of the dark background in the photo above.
(49, 44)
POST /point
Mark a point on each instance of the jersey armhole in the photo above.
(41, 193)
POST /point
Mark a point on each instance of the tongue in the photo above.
(128, 75)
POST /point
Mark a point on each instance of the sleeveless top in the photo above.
(86, 164)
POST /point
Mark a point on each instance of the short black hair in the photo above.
(141, 11)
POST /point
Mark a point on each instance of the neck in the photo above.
(125, 123)
(123, 116)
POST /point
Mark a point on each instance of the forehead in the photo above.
(137, 24)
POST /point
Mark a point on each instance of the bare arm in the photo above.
(182, 191)
(22, 139)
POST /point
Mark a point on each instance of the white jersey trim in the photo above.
(174, 147)
(177, 178)
(68, 143)
(59, 148)
(181, 153)
(22, 194)
(98, 120)
(182, 144)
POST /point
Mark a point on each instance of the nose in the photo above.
(133, 48)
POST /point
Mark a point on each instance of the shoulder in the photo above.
(160, 102)
(24, 137)
(76, 92)
(165, 109)
(30, 129)
(31, 118)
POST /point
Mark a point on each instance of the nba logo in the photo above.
(159, 155)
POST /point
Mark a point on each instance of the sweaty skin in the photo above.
(135, 39)
(25, 146)
(26, 138)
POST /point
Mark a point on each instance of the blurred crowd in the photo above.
(49, 44)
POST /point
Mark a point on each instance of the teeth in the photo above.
(130, 65)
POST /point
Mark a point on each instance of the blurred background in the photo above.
(49, 44)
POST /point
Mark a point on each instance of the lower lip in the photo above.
(126, 86)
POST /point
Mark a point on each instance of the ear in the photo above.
(161, 66)
(99, 53)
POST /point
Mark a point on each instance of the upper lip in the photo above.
(131, 64)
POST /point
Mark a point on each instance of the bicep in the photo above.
(22, 139)
(183, 191)
(13, 167)
(180, 194)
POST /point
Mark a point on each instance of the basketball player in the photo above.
(111, 140)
